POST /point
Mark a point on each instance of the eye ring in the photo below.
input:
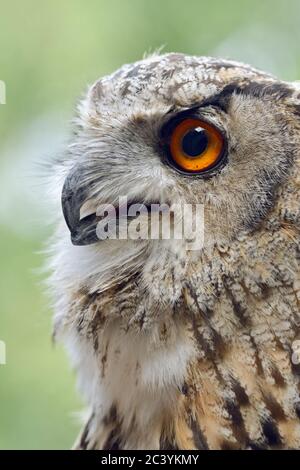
(196, 147)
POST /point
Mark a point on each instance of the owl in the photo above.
(179, 348)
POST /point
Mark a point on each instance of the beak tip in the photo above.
(78, 239)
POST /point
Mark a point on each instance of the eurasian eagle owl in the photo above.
(178, 348)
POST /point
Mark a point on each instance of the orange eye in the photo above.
(195, 145)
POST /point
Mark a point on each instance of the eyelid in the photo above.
(219, 101)
(192, 113)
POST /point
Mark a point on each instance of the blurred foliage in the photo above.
(49, 51)
(36, 388)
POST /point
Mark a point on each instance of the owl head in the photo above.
(182, 129)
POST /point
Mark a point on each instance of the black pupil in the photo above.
(195, 142)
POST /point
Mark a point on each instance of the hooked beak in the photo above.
(74, 194)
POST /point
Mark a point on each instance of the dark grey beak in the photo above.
(74, 194)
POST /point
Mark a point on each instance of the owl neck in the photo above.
(199, 355)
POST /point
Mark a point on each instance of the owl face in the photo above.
(176, 128)
(159, 333)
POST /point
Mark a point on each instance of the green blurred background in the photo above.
(49, 51)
